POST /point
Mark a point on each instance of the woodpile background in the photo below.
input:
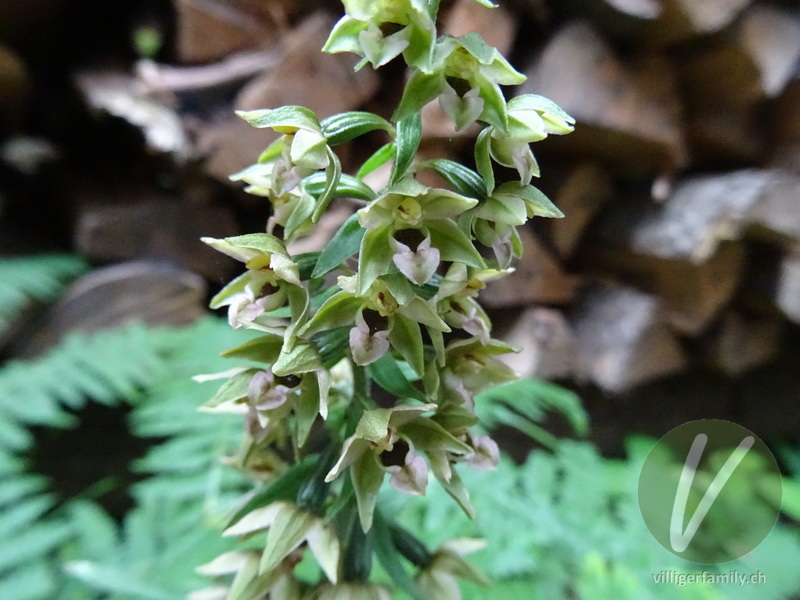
(671, 290)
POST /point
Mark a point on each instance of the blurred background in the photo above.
(670, 292)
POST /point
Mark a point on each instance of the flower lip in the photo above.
(375, 321)
(396, 457)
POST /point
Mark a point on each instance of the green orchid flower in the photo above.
(438, 580)
(411, 227)
(494, 221)
(292, 210)
(388, 440)
(271, 281)
(288, 527)
(466, 77)
(247, 582)
(380, 30)
(388, 314)
(531, 118)
(350, 591)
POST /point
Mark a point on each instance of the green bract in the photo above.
(403, 317)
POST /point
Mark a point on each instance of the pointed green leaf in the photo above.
(349, 125)
(390, 558)
(409, 134)
(387, 374)
(379, 158)
(348, 187)
(465, 181)
(345, 243)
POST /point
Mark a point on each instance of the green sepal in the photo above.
(246, 586)
(387, 374)
(421, 89)
(270, 153)
(399, 287)
(367, 477)
(346, 126)
(494, 109)
(287, 532)
(235, 286)
(373, 425)
(465, 181)
(549, 110)
(333, 173)
(509, 209)
(264, 349)
(458, 491)
(437, 341)
(379, 158)
(409, 135)
(310, 149)
(419, 52)
(306, 409)
(537, 203)
(233, 390)
(406, 338)
(493, 65)
(345, 243)
(304, 208)
(374, 258)
(483, 159)
(348, 187)
(338, 311)
(285, 119)
(422, 312)
(299, 303)
(430, 435)
(453, 244)
(263, 243)
(344, 36)
(302, 358)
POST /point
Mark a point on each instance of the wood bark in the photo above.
(630, 117)
(622, 338)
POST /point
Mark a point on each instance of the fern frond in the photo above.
(29, 278)
(161, 541)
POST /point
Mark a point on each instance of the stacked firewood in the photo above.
(680, 250)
